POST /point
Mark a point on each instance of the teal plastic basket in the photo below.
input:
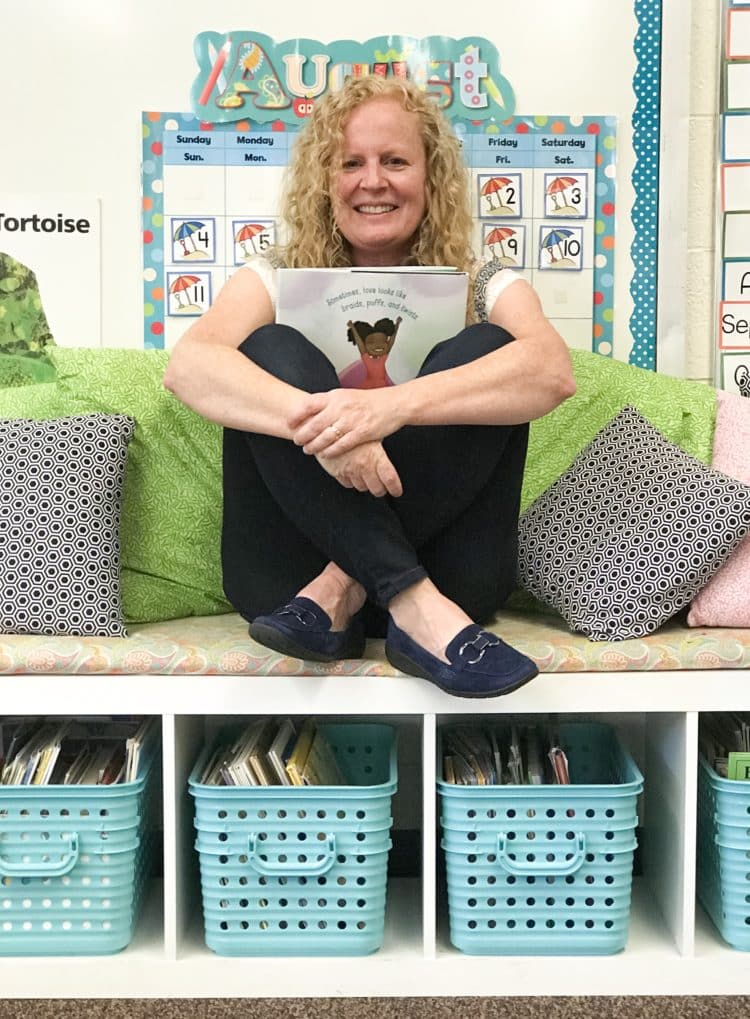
(289, 870)
(723, 851)
(74, 860)
(545, 870)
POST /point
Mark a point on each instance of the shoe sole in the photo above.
(411, 668)
(271, 637)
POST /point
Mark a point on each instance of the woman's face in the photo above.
(379, 185)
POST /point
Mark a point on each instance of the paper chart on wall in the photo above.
(542, 192)
(732, 365)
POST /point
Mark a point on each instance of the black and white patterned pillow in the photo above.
(630, 533)
(60, 494)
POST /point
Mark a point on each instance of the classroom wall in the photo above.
(71, 100)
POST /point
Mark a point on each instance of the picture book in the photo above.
(269, 752)
(298, 758)
(258, 751)
(98, 751)
(738, 766)
(510, 754)
(376, 326)
(321, 766)
(724, 739)
(281, 749)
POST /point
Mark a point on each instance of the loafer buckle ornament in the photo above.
(303, 615)
(504, 669)
(302, 629)
(480, 643)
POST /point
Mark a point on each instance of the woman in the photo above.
(405, 495)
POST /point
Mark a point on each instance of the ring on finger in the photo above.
(336, 431)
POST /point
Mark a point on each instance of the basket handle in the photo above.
(538, 866)
(312, 867)
(43, 868)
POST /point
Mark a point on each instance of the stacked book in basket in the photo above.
(723, 843)
(76, 832)
(539, 846)
(293, 834)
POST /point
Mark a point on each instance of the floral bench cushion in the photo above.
(220, 645)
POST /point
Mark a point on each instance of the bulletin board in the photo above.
(537, 186)
(543, 184)
(733, 227)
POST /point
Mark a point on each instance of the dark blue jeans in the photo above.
(285, 518)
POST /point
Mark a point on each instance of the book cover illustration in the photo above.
(376, 326)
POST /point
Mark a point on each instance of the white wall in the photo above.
(73, 93)
(700, 303)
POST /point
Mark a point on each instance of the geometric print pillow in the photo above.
(60, 494)
(630, 533)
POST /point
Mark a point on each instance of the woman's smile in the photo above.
(375, 210)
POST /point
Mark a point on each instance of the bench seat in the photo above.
(220, 645)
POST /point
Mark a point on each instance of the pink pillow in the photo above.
(725, 600)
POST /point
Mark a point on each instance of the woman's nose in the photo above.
(372, 175)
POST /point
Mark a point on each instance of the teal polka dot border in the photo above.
(645, 215)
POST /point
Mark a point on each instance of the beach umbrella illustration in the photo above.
(246, 233)
(185, 230)
(492, 186)
(558, 185)
(180, 285)
(555, 237)
(497, 236)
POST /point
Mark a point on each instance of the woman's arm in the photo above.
(208, 373)
(519, 382)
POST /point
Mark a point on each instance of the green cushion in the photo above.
(684, 411)
(172, 501)
(171, 520)
(37, 402)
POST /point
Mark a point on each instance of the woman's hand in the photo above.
(342, 419)
(366, 468)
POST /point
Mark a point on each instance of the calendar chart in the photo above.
(542, 193)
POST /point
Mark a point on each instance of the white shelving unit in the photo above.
(672, 947)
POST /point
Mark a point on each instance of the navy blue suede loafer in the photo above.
(479, 663)
(302, 629)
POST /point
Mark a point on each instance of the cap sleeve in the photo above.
(491, 280)
(263, 268)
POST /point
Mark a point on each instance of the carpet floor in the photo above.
(709, 1007)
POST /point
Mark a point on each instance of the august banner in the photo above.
(246, 75)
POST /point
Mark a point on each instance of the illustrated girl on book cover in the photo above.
(374, 344)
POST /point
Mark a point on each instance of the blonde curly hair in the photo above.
(313, 238)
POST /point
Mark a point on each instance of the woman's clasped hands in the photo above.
(344, 429)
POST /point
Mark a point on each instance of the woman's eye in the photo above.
(350, 164)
